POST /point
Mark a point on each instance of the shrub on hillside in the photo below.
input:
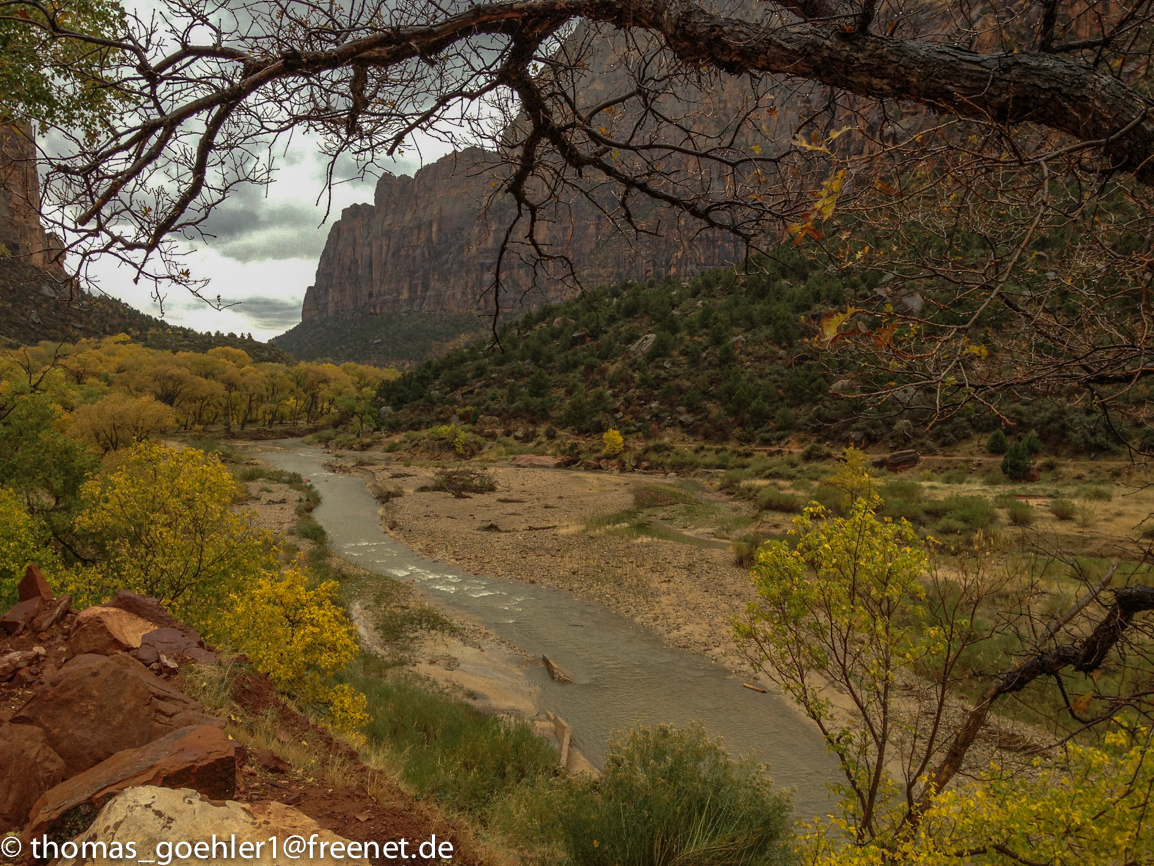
(1017, 462)
(997, 443)
(1020, 513)
(298, 636)
(1063, 509)
(1032, 443)
(160, 523)
(772, 499)
(613, 443)
(673, 796)
(815, 451)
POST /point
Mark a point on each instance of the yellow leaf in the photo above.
(831, 323)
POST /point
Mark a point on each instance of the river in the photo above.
(622, 672)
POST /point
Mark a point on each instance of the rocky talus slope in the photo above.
(98, 743)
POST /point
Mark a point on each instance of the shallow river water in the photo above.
(623, 672)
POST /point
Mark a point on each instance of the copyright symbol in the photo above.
(294, 846)
(10, 847)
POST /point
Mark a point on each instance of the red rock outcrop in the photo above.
(107, 630)
(96, 705)
(202, 759)
(29, 767)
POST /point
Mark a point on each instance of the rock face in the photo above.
(202, 759)
(150, 817)
(425, 245)
(20, 229)
(29, 767)
(95, 706)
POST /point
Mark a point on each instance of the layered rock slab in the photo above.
(202, 759)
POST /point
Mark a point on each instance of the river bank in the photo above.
(418, 638)
(622, 673)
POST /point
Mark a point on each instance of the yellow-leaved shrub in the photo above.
(161, 522)
(297, 635)
(613, 443)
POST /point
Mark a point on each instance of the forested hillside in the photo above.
(726, 356)
(397, 339)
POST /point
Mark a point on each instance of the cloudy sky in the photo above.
(265, 252)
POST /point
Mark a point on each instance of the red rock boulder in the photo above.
(33, 585)
(21, 615)
(18, 660)
(96, 706)
(52, 613)
(200, 758)
(151, 610)
(107, 630)
(28, 767)
(177, 644)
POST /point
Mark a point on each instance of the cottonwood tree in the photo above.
(987, 166)
(902, 666)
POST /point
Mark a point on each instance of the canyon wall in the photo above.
(21, 234)
(427, 244)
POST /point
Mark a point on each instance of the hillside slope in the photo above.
(38, 304)
(727, 356)
(398, 339)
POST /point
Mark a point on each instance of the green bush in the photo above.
(902, 489)
(970, 512)
(1063, 509)
(1032, 443)
(1017, 462)
(673, 796)
(772, 499)
(997, 443)
(955, 476)
(1098, 494)
(900, 509)
(1020, 513)
(815, 451)
(307, 527)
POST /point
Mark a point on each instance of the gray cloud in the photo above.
(250, 228)
(273, 314)
(264, 313)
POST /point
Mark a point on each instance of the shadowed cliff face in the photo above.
(428, 244)
(21, 234)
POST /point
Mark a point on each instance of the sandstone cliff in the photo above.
(21, 234)
(427, 244)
